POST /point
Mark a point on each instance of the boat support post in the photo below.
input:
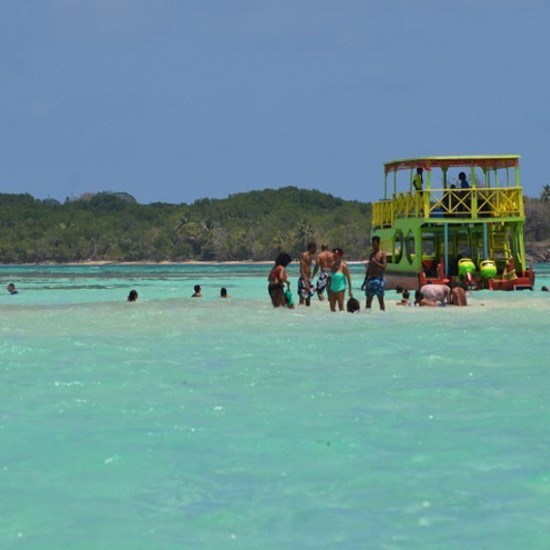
(485, 243)
(446, 247)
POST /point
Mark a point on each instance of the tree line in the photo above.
(256, 225)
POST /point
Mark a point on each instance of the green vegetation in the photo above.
(245, 226)
(537, 217)
(537, 226)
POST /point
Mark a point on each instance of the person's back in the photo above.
(325, 259)
(458, 295)
(436, 293)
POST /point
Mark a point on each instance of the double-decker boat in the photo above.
(459, 217)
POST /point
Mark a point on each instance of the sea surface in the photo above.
(201, 423)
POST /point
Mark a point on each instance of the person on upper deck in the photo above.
(463, 182)
(418, 180)
(464, 206)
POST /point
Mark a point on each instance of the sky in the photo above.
(177, 100)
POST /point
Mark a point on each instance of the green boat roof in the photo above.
(491, 162)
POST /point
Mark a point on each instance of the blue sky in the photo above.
(175, 100)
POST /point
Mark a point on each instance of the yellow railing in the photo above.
(451, 204)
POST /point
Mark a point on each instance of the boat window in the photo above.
(428, 244)
(398, 245)
(410, 247)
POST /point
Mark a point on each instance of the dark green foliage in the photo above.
(112, 226)
(545, 194)
(537, 219)
(257, 225)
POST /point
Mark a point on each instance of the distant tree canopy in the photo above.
(112, 226)
(246, 226)
(537, 219)
(545, 194)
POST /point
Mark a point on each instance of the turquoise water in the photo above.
(200, 423)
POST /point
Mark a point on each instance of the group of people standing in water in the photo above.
(334, 277)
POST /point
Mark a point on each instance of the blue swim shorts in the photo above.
(374, 287)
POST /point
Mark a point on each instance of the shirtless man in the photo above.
(305, 286)
(323, 264)
(374, 280)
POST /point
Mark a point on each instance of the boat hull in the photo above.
(524, 282)
(408, 281)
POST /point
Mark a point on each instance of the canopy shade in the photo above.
(481, 161)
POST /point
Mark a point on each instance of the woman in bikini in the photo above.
(277, 279)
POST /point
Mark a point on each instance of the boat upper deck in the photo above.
(485, 196)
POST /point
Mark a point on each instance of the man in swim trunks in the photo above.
(305, 286)
(374, 280)
(323, 264)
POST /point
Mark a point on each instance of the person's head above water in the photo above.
(133, 296)
(353, 305)
(223, 292)
(283, 259)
